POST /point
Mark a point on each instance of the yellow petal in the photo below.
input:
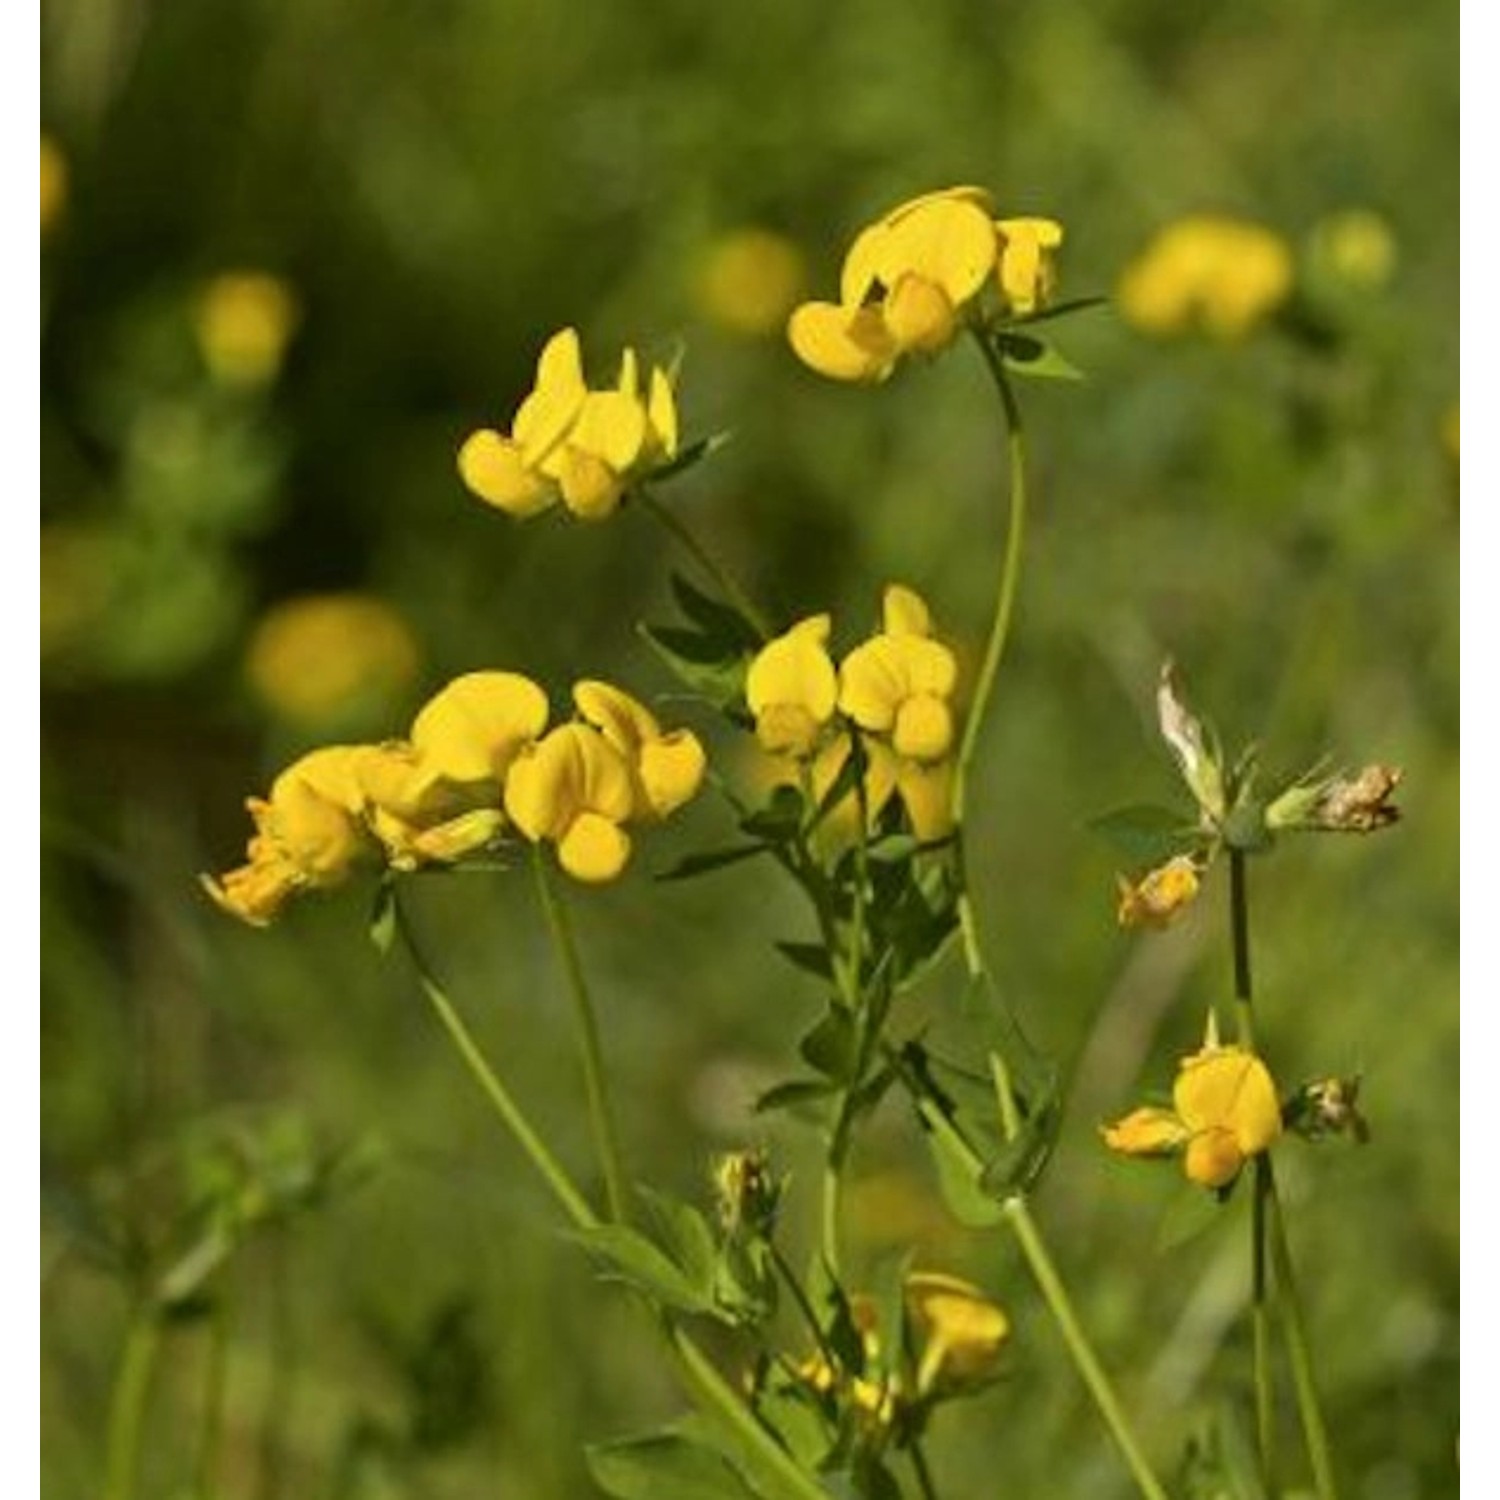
(671, 771)
(967, 193)
(317, 837)
(493, 469)
(1161, 895)
(569, 772)
(924, 728)
(629, 383)
(333, 772)
(625, 723)
(842, 343)
(860, 276)
(873, 683)
(466, 834)
(256, 892)
(1228, 1088)
(962, 1331)
(591, 490)
(905, 612)
(470, 731)
(1146, 1132)
(794, 673)
(611, 426)
(919, 316)
(1026, 271)
(547, 413)
(1213, 1158)
(927, 794)
(947, 241)
(593, 849)
(661, 411)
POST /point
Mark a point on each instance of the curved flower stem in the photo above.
(127, 1404)
(213, 1397)
(1268, 1222)
(919, 1466)
(601, 1118)
(725, 580)
(699, 1375)
(552, 1172)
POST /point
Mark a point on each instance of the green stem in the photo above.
(799, 1296)
(1260, 1306)
(706, 560)
(1018, 1215)
(1309, 1408)
(127, 1405)
(213, 1399)
(994, 649)
(573, 1203)
(601, 1117)
(923, 1473)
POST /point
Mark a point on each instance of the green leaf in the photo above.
(709, 860)
(630, 1257)
(1144, 834)
(1060, 310)
(832, 1046)
(1021, 1161)
(717, 620)
(793, 1094)
(684, 1233)
(779, 820)
(667, 1465)
(698, 663)
(1034, 358)
(690, 455)
(793, 1413)
(383, 917)
(811, 958)
(893, 849)
(958, 1173)
(1190, 1213)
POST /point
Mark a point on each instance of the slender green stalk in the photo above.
(601, 1117)
(551, 1170)
(698, 1372)
(1260, 1306)
(127, 1404)
(919, 1467)
(725, 580)
(1308, 1405)
(799, 1296)
(1018, 1215)
(213, 1399)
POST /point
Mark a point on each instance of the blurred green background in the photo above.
(435, 188)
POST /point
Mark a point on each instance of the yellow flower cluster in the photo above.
(959, 1336)
(1207, 272)
(479, 760)
(1224, 1111)
(909, 278)
(895, 690)
(570, 443)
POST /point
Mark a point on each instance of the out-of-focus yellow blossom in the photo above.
(1224, 1111)
(1028, 262)
(244, 321)
(469, 733)
(1160, 896)
(1207, 272)
(749, 281)
(668, 768)
(962, 1332)
(909, 278)
(54, 183)
(314, 658)
(575, 790)
(900, 682)
(309, 834)
(792, 688)
(1355, 246)
(873, 1401)
(571, 443)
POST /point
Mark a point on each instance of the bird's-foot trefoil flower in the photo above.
(1224, 1111)
(792, 689)
(1161, 895)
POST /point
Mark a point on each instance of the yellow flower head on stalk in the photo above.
(792, 689)
(1160, 896)
(317, 657)
(1207, 272)
(468, 734)
(1224, 1111)
(244, 321)
(904, 287)
(575, 790)
(419, 817)
(962, 1332)
(899, 683)
(668, 767)
(309, 834)
(749, 280)
(571, 443)
(1027, 268)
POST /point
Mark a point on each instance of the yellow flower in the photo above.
(962, 1332)
(1217, 274)
(1224, 1111)
(470, 732)
(905, 282)
(926, 792)
(1028, 267)
(244, 321)
(792, 689)
(574, 789)
(324, 655)
(309, 834)
(420, 817)
(749, 281)
(899, 683)
(668, 768)
(1161, 895)
(572, 443)
(54, 183)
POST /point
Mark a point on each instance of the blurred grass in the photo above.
(442, 184)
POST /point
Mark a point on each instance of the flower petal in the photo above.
(471, 730)
(492, 467)
(593, 849)
(842, 343)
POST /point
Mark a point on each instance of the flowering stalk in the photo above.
(1268, 1222)
(601, 1117)
(127, 1404)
